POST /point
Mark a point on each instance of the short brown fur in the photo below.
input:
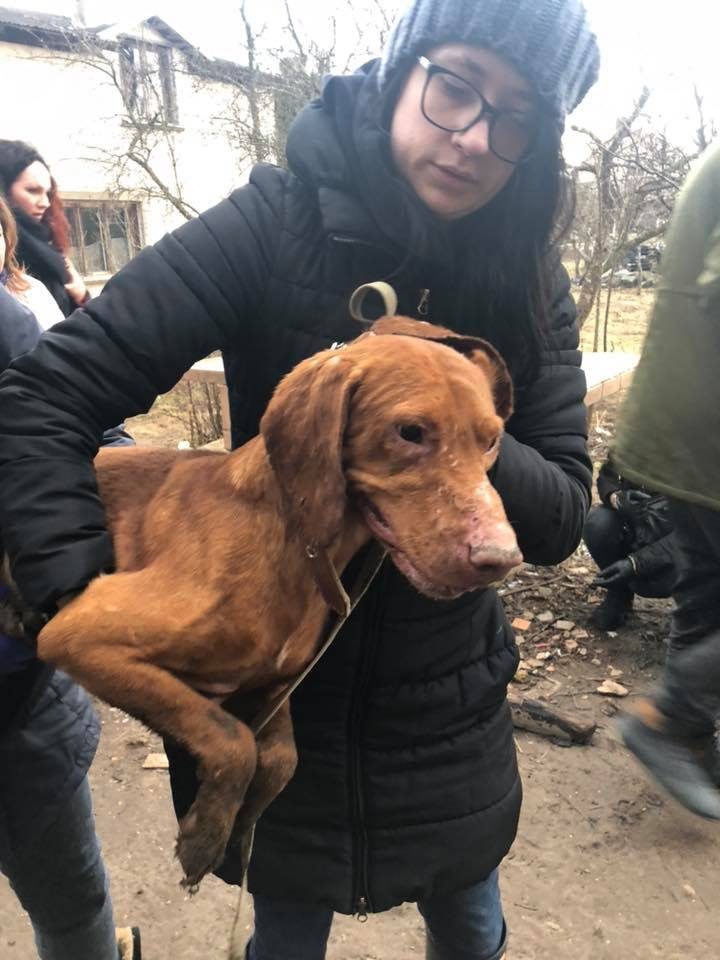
(214, 593)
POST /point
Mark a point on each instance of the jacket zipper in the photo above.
(361, 895)
(423, 307)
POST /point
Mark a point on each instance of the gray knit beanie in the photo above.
(548, 41)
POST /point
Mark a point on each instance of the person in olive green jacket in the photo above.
(668, 439)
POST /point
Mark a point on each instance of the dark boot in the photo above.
(431, 952)
(128, 941)
(614, 609)
(711, 759)
(676, 762)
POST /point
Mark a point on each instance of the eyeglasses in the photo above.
(451, 103)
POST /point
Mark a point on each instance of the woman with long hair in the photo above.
(34, 294)
(436, 168)
(43, 229)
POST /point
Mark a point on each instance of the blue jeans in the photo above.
(59, 878)
(467, 925)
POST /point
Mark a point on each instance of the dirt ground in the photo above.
(604, 865)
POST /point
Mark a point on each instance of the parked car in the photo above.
(647, 257)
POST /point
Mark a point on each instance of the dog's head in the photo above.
(402, 425)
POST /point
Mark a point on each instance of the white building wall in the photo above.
(72, 113)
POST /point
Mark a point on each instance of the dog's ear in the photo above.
(477, 350)
(485, 356)
(303, 429)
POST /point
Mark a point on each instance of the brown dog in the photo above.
(390, 437)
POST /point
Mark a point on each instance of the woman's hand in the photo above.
(76, 287)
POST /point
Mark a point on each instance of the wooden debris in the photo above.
(542, 591)
(156, 761)
(609, 688)
(538, 717)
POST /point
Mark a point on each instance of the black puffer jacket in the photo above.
(407, 782)
(648, 525)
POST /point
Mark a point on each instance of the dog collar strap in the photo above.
(370, 567)
(327, 580)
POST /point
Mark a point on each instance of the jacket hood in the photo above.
(339, 145)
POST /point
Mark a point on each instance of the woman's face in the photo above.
(31, 190)
(455, 174)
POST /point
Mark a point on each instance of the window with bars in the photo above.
(104, 234)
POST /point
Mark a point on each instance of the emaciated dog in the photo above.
(216, 601)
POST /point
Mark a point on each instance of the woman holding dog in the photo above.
(438, 169)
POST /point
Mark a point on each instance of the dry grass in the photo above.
(162, 425)
(627, 324)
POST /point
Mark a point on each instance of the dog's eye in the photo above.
(411, 432)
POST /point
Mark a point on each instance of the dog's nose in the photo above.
(497, 557)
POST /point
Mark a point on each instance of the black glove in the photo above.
(616, 575)
(632, 502)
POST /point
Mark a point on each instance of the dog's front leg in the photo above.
(223, 746)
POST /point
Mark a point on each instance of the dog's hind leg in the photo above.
(223, 746)
(276, 762)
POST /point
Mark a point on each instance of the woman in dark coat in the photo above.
(43, 229)
(438, 169)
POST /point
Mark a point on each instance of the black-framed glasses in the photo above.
(451, 103)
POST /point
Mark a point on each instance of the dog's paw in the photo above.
(200, 848)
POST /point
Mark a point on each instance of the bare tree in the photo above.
(145, 161)
(626, 191)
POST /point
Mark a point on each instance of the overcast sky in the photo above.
(668, 44)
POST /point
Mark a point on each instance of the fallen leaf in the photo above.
(609, 688)
(155, 761)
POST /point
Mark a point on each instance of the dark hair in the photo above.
(16, 156)
(517, 236)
